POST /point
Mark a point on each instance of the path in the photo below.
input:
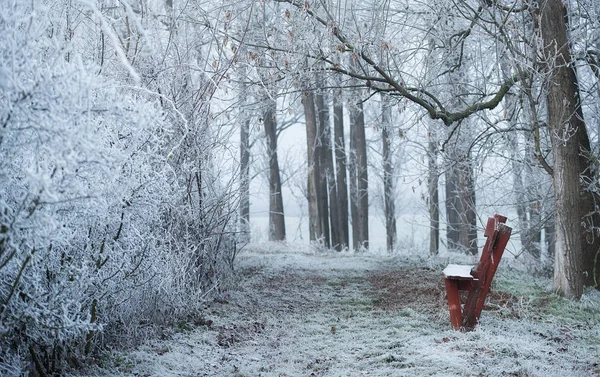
(346, 315)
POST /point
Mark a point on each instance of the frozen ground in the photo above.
(330, 314)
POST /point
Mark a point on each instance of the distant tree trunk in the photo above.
(324, 155)
(314, 223)
(388, 175)
(460, 202)
(549, 238)
(341, 177)
(527, 201)
(518, 188)
(533, 233)
(363, 177)
(452, 206)
(359, 178)
(433, 198)
(353, 183)
(360, 214)
(245, 178)
(244, 165)
(276, 216)
(468, 232)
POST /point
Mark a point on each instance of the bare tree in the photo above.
(359, 183)
(276, 215)
(315, 225)
(325, 164)
(574, 259)
(341, 167)
(388, 174)
(433, 191)
(244, 166)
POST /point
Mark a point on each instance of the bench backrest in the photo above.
(497, 234)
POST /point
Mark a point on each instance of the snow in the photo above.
(458, 271)
(306, 313)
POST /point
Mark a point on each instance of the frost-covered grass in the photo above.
(302, 313)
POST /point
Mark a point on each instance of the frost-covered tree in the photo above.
(112, 215)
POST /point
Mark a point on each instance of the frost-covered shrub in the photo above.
(101, 234)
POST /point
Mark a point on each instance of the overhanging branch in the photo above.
(422, 98)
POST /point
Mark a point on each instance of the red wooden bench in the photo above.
(477, 280)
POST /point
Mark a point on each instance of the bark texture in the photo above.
(573, 261)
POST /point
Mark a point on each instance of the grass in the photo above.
(339, 314)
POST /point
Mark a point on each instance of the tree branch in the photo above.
(431, 103)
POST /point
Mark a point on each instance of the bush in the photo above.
(102, 237)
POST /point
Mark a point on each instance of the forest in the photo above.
(138, 139)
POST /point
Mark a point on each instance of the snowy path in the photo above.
(348, 315)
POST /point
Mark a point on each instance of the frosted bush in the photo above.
(99, 241)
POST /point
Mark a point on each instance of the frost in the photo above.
(303, 313)
(99, 237)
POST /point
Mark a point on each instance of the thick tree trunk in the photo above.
(388, 176)
(314, 223)
(341, 177)
(324, 154)
(276, 216)
(573, 261)
(433, 198)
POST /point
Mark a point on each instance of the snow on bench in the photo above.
(457, 271)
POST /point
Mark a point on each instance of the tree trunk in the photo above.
(452, 207)
(466, 181)
(460, 202)
(314, 223)
(573, 260)
(353, 183)
(363, 178)
(341, 177)
(360, 223)
(388, 176)
(245, 179)
(549, 230)
(433, 198)
(244, 162)
(324, 155)
(276, 216)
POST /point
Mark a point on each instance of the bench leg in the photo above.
(454, 303)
